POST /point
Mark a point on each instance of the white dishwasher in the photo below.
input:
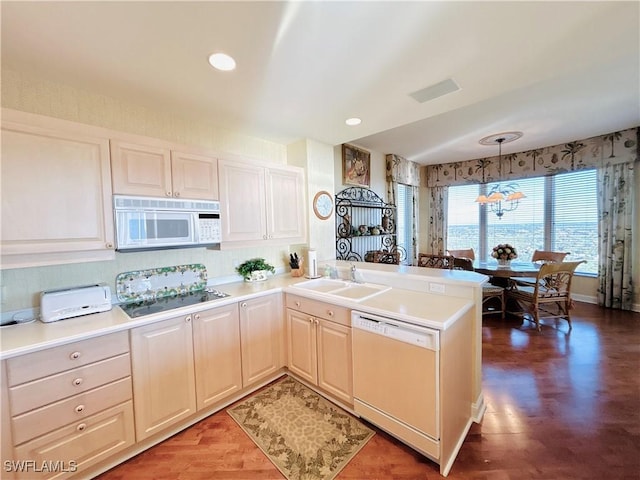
(396, 379)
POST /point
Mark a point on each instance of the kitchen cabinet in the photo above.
(6, 440)
(163, 374)
(55, 192)
(70, 404)
(157, 171)
(261, 205)
(262, 338)
(319, 345)
(216, 346)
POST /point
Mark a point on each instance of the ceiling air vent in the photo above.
(434, 91)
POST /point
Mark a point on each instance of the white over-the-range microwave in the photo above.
(148, 223)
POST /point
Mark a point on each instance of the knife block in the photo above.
(297, 272)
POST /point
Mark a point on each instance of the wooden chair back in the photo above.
(462, 263)
(435, 261)
(392, 258)
(546, 256)
(463, 253)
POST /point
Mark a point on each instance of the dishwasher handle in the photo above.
(397, 330)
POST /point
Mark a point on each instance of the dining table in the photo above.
(514, 269)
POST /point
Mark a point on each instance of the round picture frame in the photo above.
(323, 205)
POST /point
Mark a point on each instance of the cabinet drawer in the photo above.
(41, 392)
(328, 311)
(80, 444)
(58, 359)
(72, 409)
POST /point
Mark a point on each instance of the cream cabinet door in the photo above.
(285, 204)
(55, 192)
(216, 342)
(262, 335)
(141, 169)
(242, 202)
(335, 373)
(194, 176)
(302, 358)
(6, 441)
(163, 374)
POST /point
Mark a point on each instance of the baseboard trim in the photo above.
(635, 307)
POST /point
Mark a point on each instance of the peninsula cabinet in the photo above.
(216, 346)
(262, 338)
(163, 374)
(319, 345)
(157, 171)
(69, 406)
(261, 205)
(55, 192)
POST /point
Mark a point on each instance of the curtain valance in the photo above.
(590, 153)
(401, 170)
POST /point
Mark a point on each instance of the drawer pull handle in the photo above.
(297, 304)
(81, 427)
(330, 313)
(197, 316)
(77, 382)
(75, 356)
(187, 319)
(243, 304)
(79, 409)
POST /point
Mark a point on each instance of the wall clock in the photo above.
(323, 204)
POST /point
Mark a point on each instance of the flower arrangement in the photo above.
(504, 251)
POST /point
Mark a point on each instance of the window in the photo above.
(559, 213)
(404, 227)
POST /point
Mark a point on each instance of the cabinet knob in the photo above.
(316, 321)
(77, 381)
(243, 304)
(297, 304)
(109, 245)
(176, 194)
(75, 356)
(79, 409)
(187, 319)
(310, 319)
(168, 194)
(264, 237)
(81, 427)
(330, 313)
(197, 316)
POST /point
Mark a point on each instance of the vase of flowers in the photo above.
(504, 253)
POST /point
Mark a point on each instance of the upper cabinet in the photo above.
(56, 192)
(261, 204)
(157, 171)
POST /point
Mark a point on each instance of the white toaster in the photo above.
(73, 302)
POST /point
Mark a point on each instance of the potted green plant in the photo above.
(255, 269)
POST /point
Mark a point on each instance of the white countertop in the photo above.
(418, 307)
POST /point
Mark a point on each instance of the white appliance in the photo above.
(396, 379)
(147, 223)
(74, 302)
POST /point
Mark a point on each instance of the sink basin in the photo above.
(340, 288)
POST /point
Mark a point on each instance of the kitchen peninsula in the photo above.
(108, 361)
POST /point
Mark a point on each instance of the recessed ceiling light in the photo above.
(353, 121)
(222, 61)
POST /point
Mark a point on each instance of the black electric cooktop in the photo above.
(147, 307)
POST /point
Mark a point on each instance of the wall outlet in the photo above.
(436, 287)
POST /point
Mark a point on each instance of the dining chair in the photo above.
(435, 261)
(392, 258)
(463, 253)
(490, 293)
(550, 295)
(540, 257)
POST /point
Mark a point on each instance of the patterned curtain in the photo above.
(437, 219)
(615, 205)
(401, 170)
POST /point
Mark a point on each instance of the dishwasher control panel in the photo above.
(403, 332)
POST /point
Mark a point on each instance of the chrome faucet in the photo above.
(354, 274)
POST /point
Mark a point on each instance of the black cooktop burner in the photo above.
(147, 307)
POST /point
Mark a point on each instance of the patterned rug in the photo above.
(304, 435)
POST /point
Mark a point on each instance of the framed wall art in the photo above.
(356, 166)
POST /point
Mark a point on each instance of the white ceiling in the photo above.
(557, 71)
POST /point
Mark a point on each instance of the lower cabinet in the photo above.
(216, 348)
(163, 374)
(261, 334)
(319, 345)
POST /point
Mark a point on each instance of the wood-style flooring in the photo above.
(560, 405)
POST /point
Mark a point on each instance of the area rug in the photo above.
(304, 435)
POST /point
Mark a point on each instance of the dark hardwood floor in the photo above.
(560, 405)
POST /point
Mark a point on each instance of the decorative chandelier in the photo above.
(502, 197)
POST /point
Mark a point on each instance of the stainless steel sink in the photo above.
(341, 288)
